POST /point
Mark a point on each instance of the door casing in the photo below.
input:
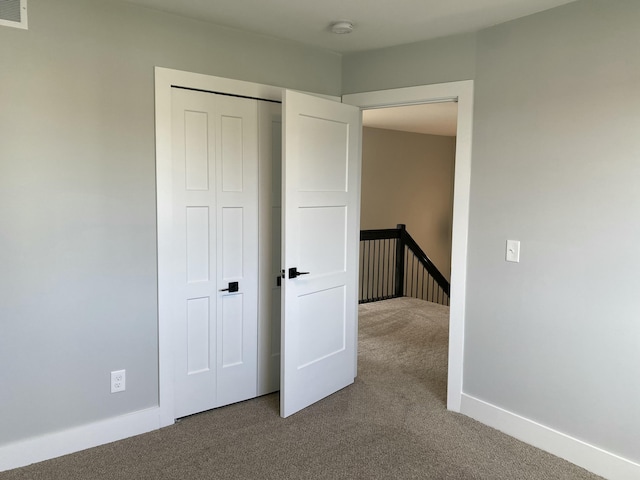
(462, 92)
(166, 78)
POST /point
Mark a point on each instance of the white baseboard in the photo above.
(589, 457)
(44, 447)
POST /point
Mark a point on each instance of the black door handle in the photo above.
(293, 273)
(232, 288)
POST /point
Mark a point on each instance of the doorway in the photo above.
(462, 92)
(408, 157)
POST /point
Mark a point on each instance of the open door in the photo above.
(320, 240)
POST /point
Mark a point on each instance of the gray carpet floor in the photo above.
(391, 424)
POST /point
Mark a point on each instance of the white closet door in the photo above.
(321, 187)
(215, 232)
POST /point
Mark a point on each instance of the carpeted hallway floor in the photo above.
(391, 424)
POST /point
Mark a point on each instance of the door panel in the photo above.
(318, 340)
(198, 344)
(214, 194)
(232, 239)
(196, 150)
(323, 254)
(320, 236)
(197, 244)
(323, 167)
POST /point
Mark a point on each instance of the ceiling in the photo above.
(431, 118)
(377, 23)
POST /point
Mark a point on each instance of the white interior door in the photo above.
(321, 197)
(214, 241)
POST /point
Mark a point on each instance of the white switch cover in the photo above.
(513, 251)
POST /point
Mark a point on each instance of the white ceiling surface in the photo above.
(377, 23)
(432, 118)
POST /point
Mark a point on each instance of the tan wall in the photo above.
(408, 178)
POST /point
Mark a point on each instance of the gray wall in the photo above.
(556, 163)
(77, 196)
(408, 178)
(423, 63)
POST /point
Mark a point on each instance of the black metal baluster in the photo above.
(434, 295)
(369, 271)
(413, 275)
(433, 284)
(407, 287)
(380, 269)
(372, 280)
(362, 257)
(373, 269)
(400, 263)
(365, 269)
(384, 268)
(394, 259)
(377, 265)
(418, 265)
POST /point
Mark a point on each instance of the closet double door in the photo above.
(264, 248)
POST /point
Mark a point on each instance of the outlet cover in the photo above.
(118, 381)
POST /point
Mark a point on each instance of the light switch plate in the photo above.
(513, 251)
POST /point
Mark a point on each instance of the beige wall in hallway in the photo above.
(408, 178)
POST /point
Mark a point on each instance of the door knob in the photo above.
(293, 273)
(232, 288)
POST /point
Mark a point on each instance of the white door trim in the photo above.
(463, 92)
(165, 79)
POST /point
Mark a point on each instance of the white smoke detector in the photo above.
(342, 27)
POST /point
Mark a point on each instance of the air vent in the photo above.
(13, 13)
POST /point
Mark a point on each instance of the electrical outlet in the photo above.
(118, 381)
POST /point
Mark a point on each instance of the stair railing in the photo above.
(393, 265)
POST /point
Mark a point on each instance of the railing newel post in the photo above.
(400, 244)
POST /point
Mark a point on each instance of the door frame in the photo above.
(462, 92)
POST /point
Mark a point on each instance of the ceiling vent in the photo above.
(13, 13)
